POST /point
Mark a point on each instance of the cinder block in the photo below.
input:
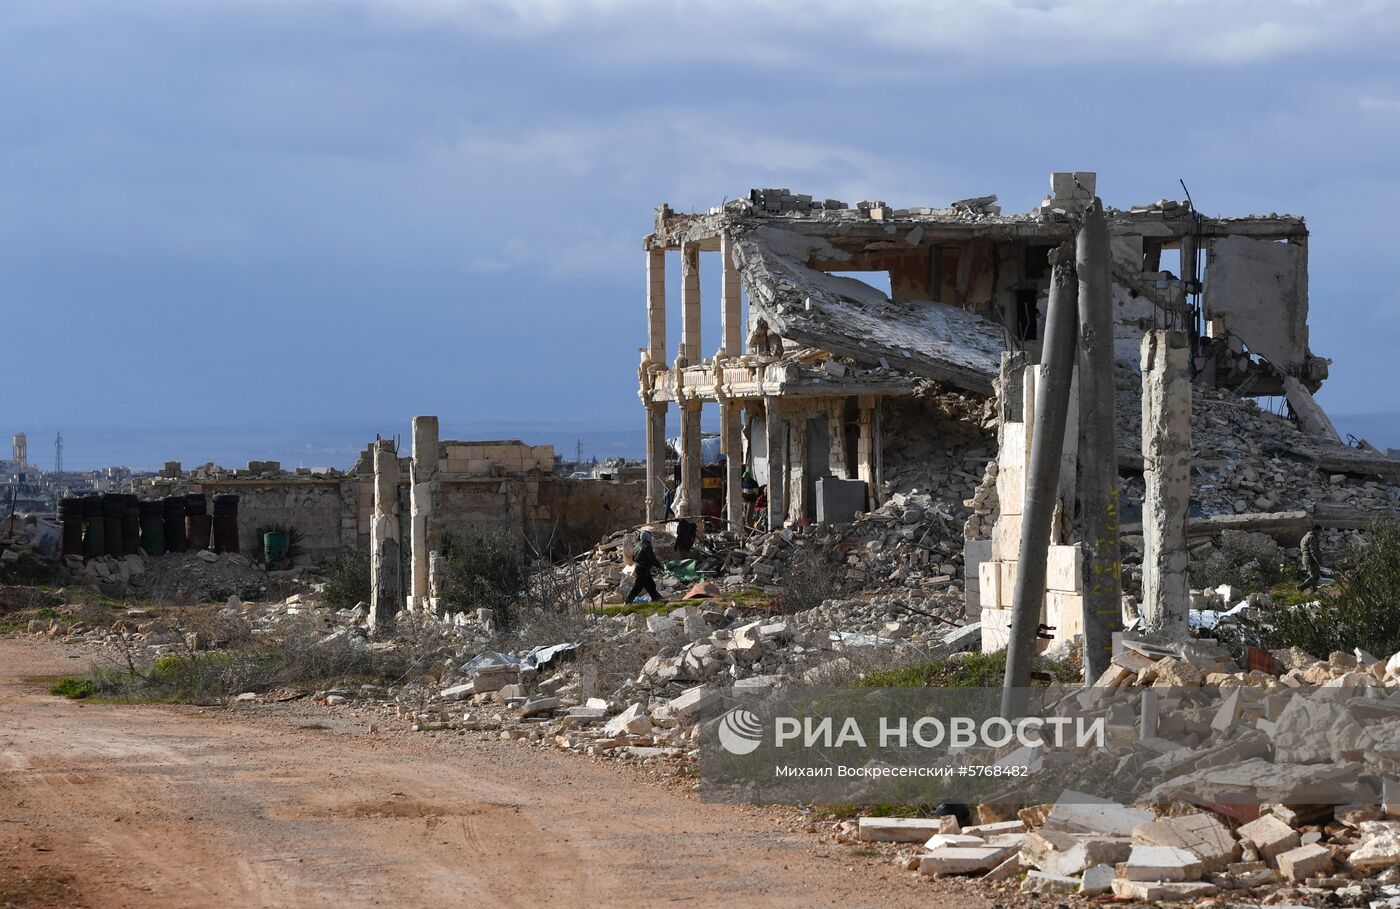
(1064, 570)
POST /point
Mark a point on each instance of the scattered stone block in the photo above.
(903, 829)
(1304, 862)
(1269, 836)
(1203, 835)
(1379, 852)
(1097, 879)
(632, 721)
(963, 859)
(1076, 812)
(1041, 882)
(1158, 892)
(1162, 863)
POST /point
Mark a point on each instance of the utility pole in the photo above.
(1098, 444)
(1052, 391)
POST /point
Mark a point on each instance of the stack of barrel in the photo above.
(226, 523)
(174, 507)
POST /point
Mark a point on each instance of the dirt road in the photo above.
(154, 806)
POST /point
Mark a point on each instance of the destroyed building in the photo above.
(808, 351)
(813, 360)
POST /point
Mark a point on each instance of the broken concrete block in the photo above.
(1158, 892)
(1076, 812)
(1009, 868)
(1097, 879)
(953, 839)
(1304, 862)
(1162, 863)
(1057, 852)
(538, 707)
(963, 859)
(691, 704)
(903, 829)
(1204, 835)
(996, 829)
(1041, 882)
(457, 692)
(1269, 836)
(632, 721)
(494, 678)
(1380, 851)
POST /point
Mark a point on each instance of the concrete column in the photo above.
(692, 461)
(690, 304)
(422, 506)
(1098, 443)
(1166, 459)
(797, 465)
(879, 446)
(732, 331)
(775, 434)
(836, 431)
(865, 447)
(731, 433)
(385, 598)
(656, 463)
(656, 306)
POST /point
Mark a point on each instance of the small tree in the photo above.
(485, 571)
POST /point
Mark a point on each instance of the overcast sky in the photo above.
(235, 210)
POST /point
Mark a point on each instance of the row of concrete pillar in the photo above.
(387, 595)
(784, 450)
(731, 309)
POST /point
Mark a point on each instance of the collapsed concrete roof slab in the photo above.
(850, 318)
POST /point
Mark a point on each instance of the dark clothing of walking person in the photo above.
(645, 561)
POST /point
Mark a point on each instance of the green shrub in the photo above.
(1365, 612)
(973, 670)
(484, 572)
(348, 585)
(73, 687)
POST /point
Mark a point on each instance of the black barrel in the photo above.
(196, 521)
(131, 524)
(94, 527)
(174, 523)
(153, 527)
(226, 523)
(113, 509)
(70, 515)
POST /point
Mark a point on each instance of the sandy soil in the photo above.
(155, 806)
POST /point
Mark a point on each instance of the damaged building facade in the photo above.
(808, 351)
(811, 356)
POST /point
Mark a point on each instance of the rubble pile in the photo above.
(1245, 459)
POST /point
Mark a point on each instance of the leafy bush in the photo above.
(1364, 612)
(73, 687)
(349, 584)
(1250, 561)
(484, 571)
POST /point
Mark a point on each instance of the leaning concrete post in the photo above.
(384, 596)
(1166, 459)
(1098, 443)
(423, 496)
(1042, 481)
